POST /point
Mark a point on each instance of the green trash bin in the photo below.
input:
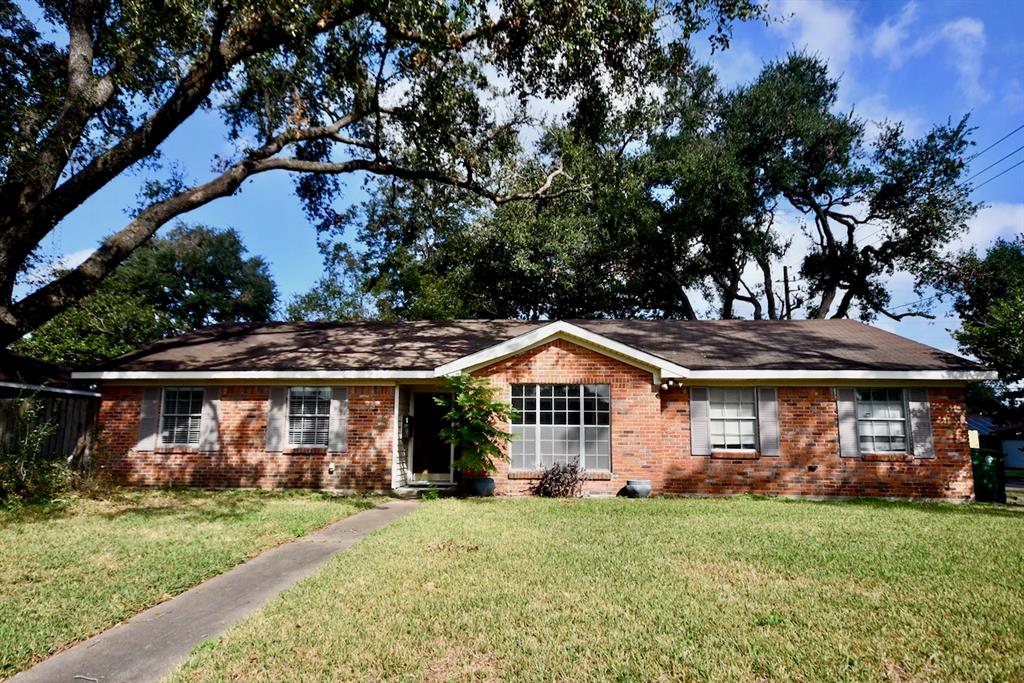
(989, 475)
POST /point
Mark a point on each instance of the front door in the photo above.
(431, 457)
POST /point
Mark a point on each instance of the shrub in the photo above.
(560, 481)
(26, 474)
(474, 419)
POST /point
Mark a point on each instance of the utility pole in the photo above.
(785, 288)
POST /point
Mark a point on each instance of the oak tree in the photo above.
(322, 88)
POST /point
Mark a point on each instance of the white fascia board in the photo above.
(228, 375)
(569, 332)
(54, 390)
(920, 375)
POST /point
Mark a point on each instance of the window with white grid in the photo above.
(881, 420)
(181, 416)
(309, 415)
(732, 413)
(561, 423)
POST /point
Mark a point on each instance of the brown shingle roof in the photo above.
(17, 368)
(424, 345)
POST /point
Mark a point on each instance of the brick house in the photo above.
(819, 408)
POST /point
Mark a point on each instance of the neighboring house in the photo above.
(820, 408)
(1011, 440)
(979, 427)
(984, 432)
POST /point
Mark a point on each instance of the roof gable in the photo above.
(660, 367)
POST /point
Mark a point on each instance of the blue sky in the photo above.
(918, 62)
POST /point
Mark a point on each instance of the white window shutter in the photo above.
(768, 421)
(277, 419)
(337, 440)
(149, 419)
(209, 427)
(846, 407)
(700, 436)
(920, 423)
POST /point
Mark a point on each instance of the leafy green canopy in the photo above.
(677, 195)
(474, 414)
(322, 88)
(988, 296)
(194, 276)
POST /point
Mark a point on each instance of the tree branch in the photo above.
(35, 222)
(383, 167)
(901, 316)
(47, 301)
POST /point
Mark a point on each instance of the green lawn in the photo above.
(690, 589)
(67, 572)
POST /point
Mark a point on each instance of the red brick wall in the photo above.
(242, 460)
(810, 464)
(651, 438)
(637, 440)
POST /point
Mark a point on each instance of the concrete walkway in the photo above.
(149, 645)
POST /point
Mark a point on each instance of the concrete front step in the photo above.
(417, 490)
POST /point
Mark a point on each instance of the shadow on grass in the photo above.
(191, 505)
(928, 507)
(211, 505)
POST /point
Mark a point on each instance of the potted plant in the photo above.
(475, 418)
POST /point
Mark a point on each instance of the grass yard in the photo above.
(690, 589)
(69, 571)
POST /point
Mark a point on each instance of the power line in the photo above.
(915, 303)
(867, 237)
(1003, 172)
(995, 163)
(978, 154)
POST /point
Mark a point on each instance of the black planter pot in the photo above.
(637, 488)
(479, 486)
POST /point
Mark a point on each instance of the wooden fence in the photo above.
(71, 418)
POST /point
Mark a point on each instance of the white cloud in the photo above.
(966, 41)
(1013, 100)
(999, 219)
(824, 28)
(963, 41)
(877, 109)
(73, 259)
(890, 39)
(45, 271)
(736, 66)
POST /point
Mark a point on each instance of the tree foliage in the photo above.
(321, 88)
(988, 296)
(201, 276)
(339, 294)
(683, 196)
(194, 276)
(475, 417)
